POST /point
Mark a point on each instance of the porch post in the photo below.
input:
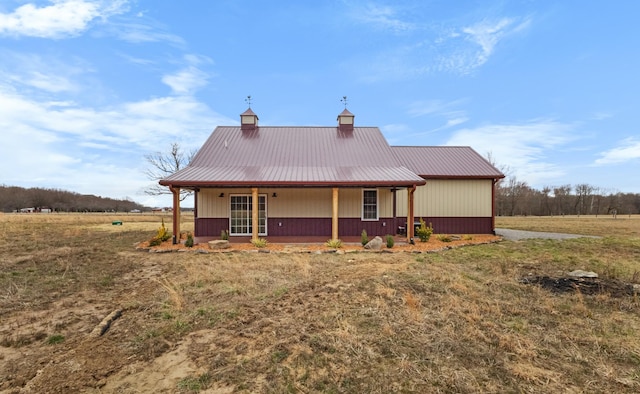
(410, 214)
(334, 214)
(176, 214)
(255, 225)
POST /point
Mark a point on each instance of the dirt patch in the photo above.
(588, 286)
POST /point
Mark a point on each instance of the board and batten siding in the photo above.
(298, 202)
(449, 198)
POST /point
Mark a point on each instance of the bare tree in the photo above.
(163, 164)
(583, 191)
(513, 194)
(561, 199)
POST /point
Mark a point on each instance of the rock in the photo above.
(374, 244)
(583, 274)
(219, 244)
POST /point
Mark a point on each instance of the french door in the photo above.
(241, 218)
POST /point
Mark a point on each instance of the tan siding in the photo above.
(349, 203)
(307, 203)
(212, 206)
(385, 203)
(450, 198)
(302, 202)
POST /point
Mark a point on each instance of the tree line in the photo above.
(514, 197)
(14, 198)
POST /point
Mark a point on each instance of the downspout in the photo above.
(176, 213)
(410, 214)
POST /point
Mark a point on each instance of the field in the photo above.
(82, 310)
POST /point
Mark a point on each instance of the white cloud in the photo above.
(486, 35)
(50, 83)
(628, 150)
(456, 121)
(382, 17)
(137, 32)
(452, 49)
(523, 147)
(45, 73)
(438, 107)
(62, 18)
(65, 145)
(188, 79)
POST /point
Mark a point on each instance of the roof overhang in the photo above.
(492, 177)
(204, 184)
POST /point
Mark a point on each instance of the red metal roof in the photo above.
(288, 156)
(445, 162)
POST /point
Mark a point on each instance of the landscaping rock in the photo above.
(374, 244)
(583, 274)
(219, 244)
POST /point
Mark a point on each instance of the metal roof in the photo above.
(445, 162)
(288, 156)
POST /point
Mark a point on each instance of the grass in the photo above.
(453, 321)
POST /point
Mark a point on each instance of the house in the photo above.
(332, 182)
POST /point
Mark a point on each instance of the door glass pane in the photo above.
(240, 217)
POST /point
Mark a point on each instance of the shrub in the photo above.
(444, 237)
(467, 237)
(224, 235)
(189, 242)
(259, 242)
(423, 232)
(364, 238)
(390, 241)
(334, 243)
(161, 235)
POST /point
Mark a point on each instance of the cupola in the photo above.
(248, 120)
(345, 121)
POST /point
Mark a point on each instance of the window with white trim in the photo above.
(369, 204)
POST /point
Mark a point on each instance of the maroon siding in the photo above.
(299, 226)
(459, 225)
(291, 227)
(210, 227)
(354, 226)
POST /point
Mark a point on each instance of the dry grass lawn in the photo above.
(459, 320)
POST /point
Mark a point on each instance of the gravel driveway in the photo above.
(516, 235)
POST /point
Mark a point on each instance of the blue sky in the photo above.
(88, 87)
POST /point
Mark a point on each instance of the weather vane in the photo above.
(344, 100)
(248, 100)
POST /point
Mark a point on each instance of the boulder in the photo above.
(219, 244)
(374, 244)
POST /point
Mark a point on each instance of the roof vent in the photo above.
(345, 121)
(248, 120)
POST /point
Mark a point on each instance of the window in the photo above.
(370, 204)
(241, 215)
